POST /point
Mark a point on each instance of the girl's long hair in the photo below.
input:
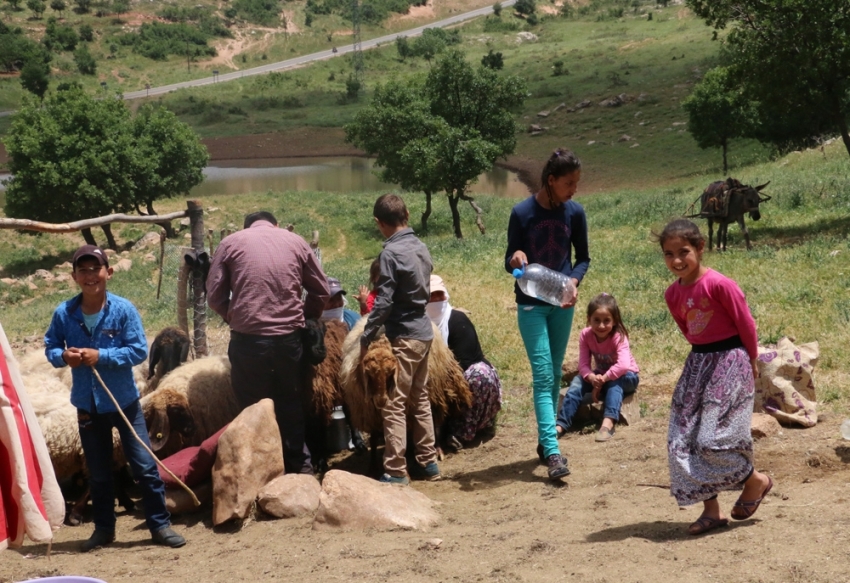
(607, 302)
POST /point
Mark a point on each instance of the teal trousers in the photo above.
(545, 331)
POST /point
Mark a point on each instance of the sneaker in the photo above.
(168, 538)
(399, 480)
(99, 538)
(604, 434)
(557, 466)
(430, 472)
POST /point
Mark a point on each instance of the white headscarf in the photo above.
(439, 312)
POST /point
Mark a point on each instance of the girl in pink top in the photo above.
(709, 445)
(605, 341)
(366, 297)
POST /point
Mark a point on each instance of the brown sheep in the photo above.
(169, 350)
(365, 385)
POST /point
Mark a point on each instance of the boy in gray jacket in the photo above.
(403, 292)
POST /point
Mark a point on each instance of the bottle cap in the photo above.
(517, 273)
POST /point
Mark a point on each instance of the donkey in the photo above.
(727, 201)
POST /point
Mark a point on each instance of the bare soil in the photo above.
(611, 520)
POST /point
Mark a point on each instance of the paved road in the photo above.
(303, 60)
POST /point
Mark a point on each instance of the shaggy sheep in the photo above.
(169, 350)
(365, 385)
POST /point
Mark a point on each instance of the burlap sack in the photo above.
(785, 387)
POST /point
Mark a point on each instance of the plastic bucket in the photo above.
(64, 579)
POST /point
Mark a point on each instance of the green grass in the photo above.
(797, 278)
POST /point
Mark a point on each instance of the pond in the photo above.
(340, 174)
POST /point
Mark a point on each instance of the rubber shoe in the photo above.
(430, 472)
(557, 466)
(99, 538)
(168, 538)
(604, 434)
(398, 480)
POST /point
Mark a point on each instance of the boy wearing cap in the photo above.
(335, 306)
(101, 330)
(403, 293)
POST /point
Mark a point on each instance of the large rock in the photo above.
(764, 425)
(150, 238)
(290, 496)
(349, 501)
(250, 455)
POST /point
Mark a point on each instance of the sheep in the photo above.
(169, 350)
(365, 385)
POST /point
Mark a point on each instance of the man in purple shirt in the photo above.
(255, 284)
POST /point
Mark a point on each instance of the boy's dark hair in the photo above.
(390, 210)
(607, 302)
(682, 228)
(375, 270)
(259, 216)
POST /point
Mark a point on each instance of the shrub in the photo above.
(493, 60)
(497, 9)
(85, 61)
(258, 11)
(86, 33)
(59, 37)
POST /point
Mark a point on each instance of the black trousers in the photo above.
(270, 367)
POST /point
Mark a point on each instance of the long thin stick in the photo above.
(139, 439)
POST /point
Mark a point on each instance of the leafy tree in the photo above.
(120, 6)
(497, 9)
(493, 60)
(58, 5)
(440, 135)
(85, 61)
(35, 77)
(16, 50)
(86, 33)
(15, 4)
(352, 87)
(75, 157)
(403, 47)
(717, 111)
(83, 6)
(532, 19)
(794, 59)
(525, 7)
(37, 6)
(59, 37)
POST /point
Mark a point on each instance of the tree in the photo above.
(171, 158)
(793, 58)
(85, 61)
(403, 47)
(717, 111)
(58, 5)
(37, 6)
(497, 9)
(493, 60)
(525, 7)
(35, 77)
(59, 37)
(75, 157)
(86, 33)
(15, 4)
(83, 6)
(440, 135)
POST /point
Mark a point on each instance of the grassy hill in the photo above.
(649, 55)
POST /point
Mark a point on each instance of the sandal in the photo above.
(704, 524)
(743, 509)
(604, 434)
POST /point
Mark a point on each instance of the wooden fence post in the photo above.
(196, 220)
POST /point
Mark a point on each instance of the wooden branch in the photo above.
(28, 225)
(478, 211)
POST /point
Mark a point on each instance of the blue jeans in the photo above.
(96, 439)
(612, 394)
(545, 331)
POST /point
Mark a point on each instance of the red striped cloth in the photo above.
(30, 501)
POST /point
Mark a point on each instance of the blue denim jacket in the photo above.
(120, 340)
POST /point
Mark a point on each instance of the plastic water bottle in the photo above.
(845, 429)
(545, 284)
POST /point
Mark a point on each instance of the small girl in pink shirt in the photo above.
(605, 341)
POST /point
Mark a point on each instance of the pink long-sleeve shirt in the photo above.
(712, 309)
(612, 356)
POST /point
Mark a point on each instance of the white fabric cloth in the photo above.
(439, 313)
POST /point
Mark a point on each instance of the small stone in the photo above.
(591, 142)
(624, 138)
(764, 425)
(32, 286)
(185, 222)
(110, 252)
(834, 253)
(634, 145)
(149, 257)
(542, 114)
(123, 265)
(431, 544)
(9, 281)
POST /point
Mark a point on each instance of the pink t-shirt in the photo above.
(611, 357)
(712, 309)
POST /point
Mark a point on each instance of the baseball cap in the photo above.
(90, 251)
(335, 286)
(437, 285)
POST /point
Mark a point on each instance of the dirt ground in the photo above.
(611, 520)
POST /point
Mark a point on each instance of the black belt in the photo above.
(719, 346)
(254, 337)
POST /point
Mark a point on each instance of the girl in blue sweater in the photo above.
(546, 228)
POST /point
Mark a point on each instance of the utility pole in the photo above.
(357, 55)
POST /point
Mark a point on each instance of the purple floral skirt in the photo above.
(709, 445)
(486, 401)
